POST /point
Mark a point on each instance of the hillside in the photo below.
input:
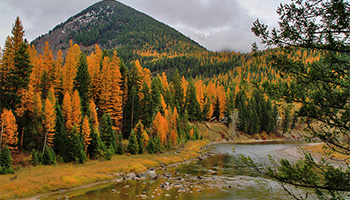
(111, 24)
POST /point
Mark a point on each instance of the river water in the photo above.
(221, 176)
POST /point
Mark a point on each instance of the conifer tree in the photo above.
(156, 89)
(139, 136)
(107, 133)
(115, 100)
(133, 100)
(85, 131)
(49, 123)
(286, 118)
(6, 161)
(48, 66)
(93, 116)
(68, 111)
(82, 83)
(49, 156)
(76, 110)
(120, 147)
(96, 147)
(94, 62)
(105, 85)
(160, 127)
(76, 152)
(69, 70)
(178, 92)
(8, 129)
(151, 148)
(17, 77)
(192, 104)
(133, 146)
(146, 106)
(60, 137)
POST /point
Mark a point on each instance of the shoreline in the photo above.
(34, 182)
(187, 155)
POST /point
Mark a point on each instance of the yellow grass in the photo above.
(324, 150)
(43, 179)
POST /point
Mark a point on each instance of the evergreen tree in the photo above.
(49, 156)
(77, 153)
(286, 119)
(18, 77)
(6, 161)
(139, 136)
(60, 137)
(36, 160)
(133, 146)
(107, 134)
(82, 83)
(96, 148)
(15, 68)
(156, 88)
(120, 148)
(178, 92)
(151, 146)
(133, 101)
(192, 104)
(216, 112)
(146, 106)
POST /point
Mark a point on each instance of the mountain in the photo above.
(111, 24)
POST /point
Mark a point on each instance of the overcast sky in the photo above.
(215, 24)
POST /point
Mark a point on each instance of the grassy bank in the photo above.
(43, 179)
(323, 150)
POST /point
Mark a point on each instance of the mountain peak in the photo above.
(111, 24)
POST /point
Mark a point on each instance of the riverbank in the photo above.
(45, 179)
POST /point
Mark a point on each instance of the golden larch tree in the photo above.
(69, 70)
(57, 82)
(86, 131)
(93, 116)
(48, 62)
(76, 110)
(67, 110)
(115, 100)
(37, 72)
(160, 127)
(49, 121)
(94, 64)
(8, 129)
(27, 102)
(164, 81)
(105, 85)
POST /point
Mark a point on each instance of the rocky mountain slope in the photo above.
(111, 24)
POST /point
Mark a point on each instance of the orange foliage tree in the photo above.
(76, 110)
(8, 129)
(67, 110)
(160, 127)
(93, 116)
(49, 121)
(69, 70)
(115, 100)
(85, 131)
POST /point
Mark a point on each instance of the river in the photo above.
(221, 176)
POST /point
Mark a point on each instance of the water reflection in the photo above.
(219, 177)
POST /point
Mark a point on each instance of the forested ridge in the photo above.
(111, 24)
(81, 105)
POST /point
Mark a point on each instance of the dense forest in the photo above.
(93, 105)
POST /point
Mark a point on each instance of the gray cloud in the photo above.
(215, 24)
(38, 16)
